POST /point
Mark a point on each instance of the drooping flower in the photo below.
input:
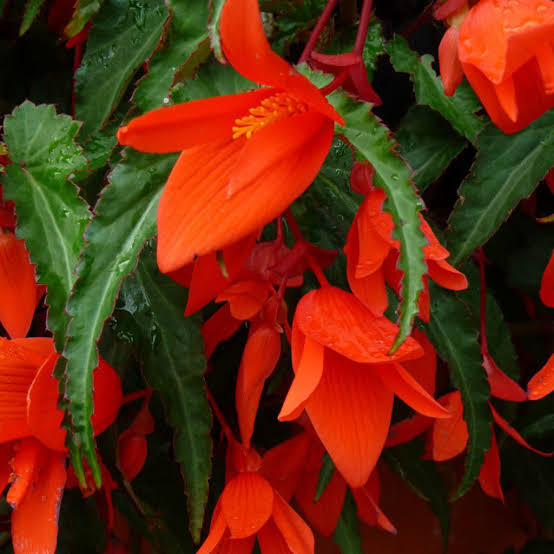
(31, 434)
(346, 380)
(506, 51)
(245, 157)
(547, 284)
(250, 508)
(372, 253)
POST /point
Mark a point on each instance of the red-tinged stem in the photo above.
(319, 26)
(314, 266)
(424, 16)
(335, 83)
(131, 397)
(219, 416)
(279, 234)
(362, 27)
(76, 63)
(288, 331)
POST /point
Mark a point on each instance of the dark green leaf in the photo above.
(123, 36)
(546, 547)
(125, 218)
(171, 349)
(82, 13)
(347, 534)
(458, 109)
(372, 140)
(428, 143)
(498, 333)
(507, 169)
(213, 29)
(540, 428)
(51, 216)
(325, 474)
(454, 335)
(185, 31)
(32, 7)
(424, 479)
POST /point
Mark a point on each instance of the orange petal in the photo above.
(18, 290)
(196, 215)
(501, 385)
(506, 94)
(323, 514)
(260, 356)
(489, 476)
(29, 455)
(424, 301)
(545, 59)
(542, 383)
(424, 369)
(183, 126)
(246, 504)
(434, 249)
(236, 546)
(339, 321)
(547, 282)
(297, 534)
(271, 540)
(6, 455)
(507, 428)
(107, 396)
(217, 530)
(408, 429)
(369, 511)
(449, 436)
(35, 519)
(401, 383)
(221, 326)
(284, 463)
(245, 297)
(350, 411)
(308, 374)
(451, 70)
(445, 275)
(247, 49)
(132, 450)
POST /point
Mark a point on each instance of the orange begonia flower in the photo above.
(506, 50)
(372, 255)
(245, 157)
(542, 383)
(29, 412)
(547, 284)
(346, 380)
(251, 508)
(19, 293)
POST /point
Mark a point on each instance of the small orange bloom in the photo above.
(346, 380)
(245, 157)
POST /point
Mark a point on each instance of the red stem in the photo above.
(363, 27)
(319, 26)
(131, 397)
(219, 416)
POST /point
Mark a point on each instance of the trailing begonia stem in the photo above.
(131, 397)
(363, 26)
(319, 26)
(219, 416)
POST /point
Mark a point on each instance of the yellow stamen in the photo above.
(270, 110)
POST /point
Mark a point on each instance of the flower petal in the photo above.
(489, 476)
(542, 383)
(401, 383)
(446, 276)
(368, 509)
(35, 520)
(501, 385)
(248, 51)
(196, 215)
(507, 428)
(297, 534)
(18, 290)
(547, 282)
(350, 411)
(221, 326)
(217, 530)
(271, 540)
(246, 503)
(449, 436)
(183, 126)
(260, 356)
(308, 374)
(245, 297)
(408, 429)
(424, 369)
(339, 321)
(29, 455)
(451, 70)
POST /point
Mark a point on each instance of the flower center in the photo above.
(270, 110)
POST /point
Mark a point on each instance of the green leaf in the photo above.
(507, 169)
(213, 29)
(540, 428)
(82, 13)
(498, 333)
(125, 218)
(428, 143)
(184, 33)
(372, 140)
(453, 334)
(424, 479)
(123, 36)
(171, 349)
(458, 109)
(32, 7)
(347, 534)
(51, 216)
(325, 474)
